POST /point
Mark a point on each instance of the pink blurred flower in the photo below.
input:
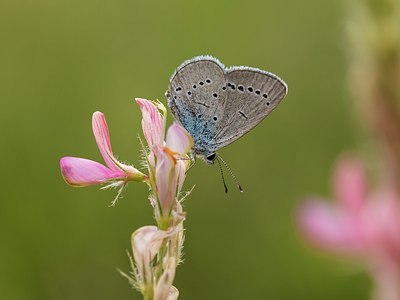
(84, 172)
(362, 224)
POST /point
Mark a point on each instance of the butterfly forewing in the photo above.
(196, 96)
(251, 95)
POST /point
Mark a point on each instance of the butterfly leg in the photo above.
(192, 157)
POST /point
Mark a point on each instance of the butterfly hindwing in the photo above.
(252, 95)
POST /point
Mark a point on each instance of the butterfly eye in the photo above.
(211, 157)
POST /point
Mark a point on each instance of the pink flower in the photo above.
(170, 172)
(153, 122)
(362, 224)
(168, 161)
(146, 244)
(84, 172)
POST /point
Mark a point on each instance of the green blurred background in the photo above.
(62, 60)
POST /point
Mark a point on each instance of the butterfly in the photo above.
(218, 105)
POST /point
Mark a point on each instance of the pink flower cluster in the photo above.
(362, 224)
(156, 249)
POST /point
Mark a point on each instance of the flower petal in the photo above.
(325, 226)
(350, 184)
(382, 224)
(102, 136)
(166, 180)
(83, 172)
(146, 242)
(181, 168)
(153, 123)
(164, 288)
(178, 139)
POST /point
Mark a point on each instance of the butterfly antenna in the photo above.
(222, 176)
(230, 172)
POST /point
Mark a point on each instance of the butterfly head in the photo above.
(210, 159)
(208, 156)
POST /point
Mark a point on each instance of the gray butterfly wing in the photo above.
(196, 97)
(251, 96)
